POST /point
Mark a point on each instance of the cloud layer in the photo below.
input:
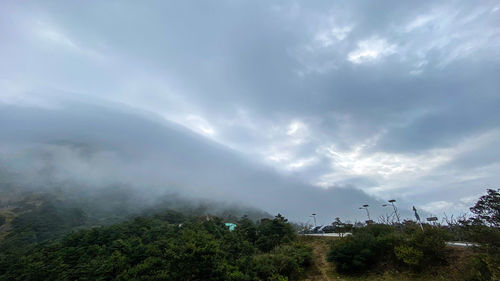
(397, 99)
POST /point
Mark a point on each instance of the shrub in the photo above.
(432, 244)
(286, 261)
(375, 230)
(409, 255)
(384, 246)
(478, 269)
(353, 254)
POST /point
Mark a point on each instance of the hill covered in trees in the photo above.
(104, 236)
(107, 235)
(166, 246)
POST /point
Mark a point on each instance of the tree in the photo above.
(271, 233)
(339, 227)
(487, 209)
(484, 228)
(247, 229)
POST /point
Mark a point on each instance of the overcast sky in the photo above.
(378, 99)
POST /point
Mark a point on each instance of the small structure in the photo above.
(230, 225)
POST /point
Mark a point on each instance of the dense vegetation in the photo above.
(381, 247)
(484, 229)
(43, 238)
(410, 247)
(41, 221)
(167, 246)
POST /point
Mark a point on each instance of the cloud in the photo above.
(437, 207)
(199, 124)
(370, 50)
(396, 98)
(420, 21)
(110, 145)
(52, 35)
(328, 37)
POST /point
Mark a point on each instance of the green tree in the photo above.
(487, 209)
(271, 233)
(484, 228)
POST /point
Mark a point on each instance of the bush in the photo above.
(478, 269)
(384, 246)
(283, 261)
(409, 255)
(432, 244)
(353, 254)
(486, 263)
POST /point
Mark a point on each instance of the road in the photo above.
(462, 244)
(327, 234)
(449, 243)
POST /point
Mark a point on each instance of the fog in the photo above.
(291, 106)
(88, 146)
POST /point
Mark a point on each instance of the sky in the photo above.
(291, 106)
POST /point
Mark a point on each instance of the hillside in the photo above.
(166, 246)
(48, 213)
(51, 236)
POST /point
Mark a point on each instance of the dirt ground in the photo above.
(321, 270)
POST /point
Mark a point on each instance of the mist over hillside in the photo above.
(82, 148)
(215, 140)
(289, 106)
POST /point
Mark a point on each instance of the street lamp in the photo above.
(367, 212)
(395, 209)
(314, 217)
(386, 214)
(432, 219)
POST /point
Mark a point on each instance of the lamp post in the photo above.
(386, 214)
(367, 212)
(395, 209)
(432, 219)
(314, 217)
